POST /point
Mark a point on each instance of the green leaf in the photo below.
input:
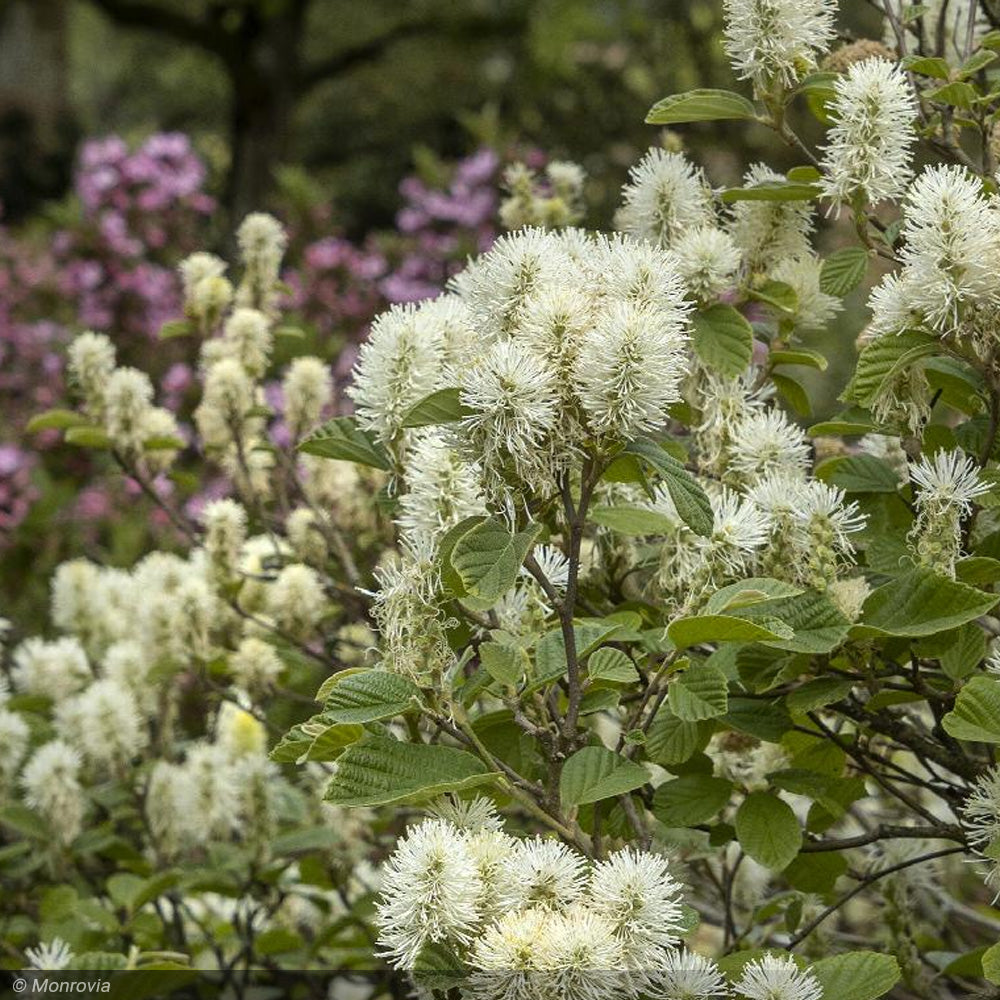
(55, 420)
(857, 975)
(671, 740)
(798, 356)
(383, 771)
(772, 191)
(370, 696)
(609, 664)
(920, 603)
(700, 106)
(88, 437)
(506, 664)
(816, 872)
(550, 653)
(783, 297)
(976, 715)
(488, 558)
(793, 393)
(958, 94)
(635, 521)
(817, 694)
(884, 358)
(723, 339)
(843, 271)
(685, 632)
(164, 443)
(858, 474)
(691, 799)
(688, 497)
(596, 773)
(699, 692)
(441, 407)
(768, 831)
(176, 328)
(748, 592)
(852, 422)
(290, 332)
(931, 66)
(341, 438)
(449, 577)
(991, 964)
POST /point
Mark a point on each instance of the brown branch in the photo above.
(152, 17)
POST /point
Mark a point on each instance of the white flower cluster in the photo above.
(530, 917)
(981, 812)
(551, 201)
(553, 339)
(120, 402)
(237, 353)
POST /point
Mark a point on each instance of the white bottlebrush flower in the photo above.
(744, 759)
(105, 723)
(430, 888)
(225, 523)
(51, 782)
(56, 668)
(948, 480)
(128, 396)
(849, 596)
(227, 398)
(308, 389)
(894, 305)
(255, 664)
(473, 815)
(410, 621)
(637, 274)
(777, 978)
(775, 42)
(246, 336)
(398, 365)
(553, 324)
(542, 873)
(14, 734)
(297, 600)
(239, 733)
(813, 307)
(951, 238)
(817, 502)
(513, 396)
(981, 816)
(262, 241)
(708, 260)
(766, 443)
(442, 488)
(945, 488)
(871, 141)
(91, 360)
(767, 231)
(739, 530)
(127, 663)
(53, 955)
(159, 427)
(636, 893)
(199, 267)
(508, 957)
(686, 975)
(553, 564)
(498, 286)
(207, 795)
(584, 956)
(665, 196)
(75, 586)
(630, 368)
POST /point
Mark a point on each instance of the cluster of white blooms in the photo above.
(524, 918)
(224, 788)
(552, 339)
(120, 402)
(51, 783)
(944, 487)
(551, 202)
(237, 352)
(521, 914)
(774, 43)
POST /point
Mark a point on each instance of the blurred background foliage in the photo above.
(341, 117)
(331, 98)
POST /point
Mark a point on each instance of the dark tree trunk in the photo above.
(266, 87)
